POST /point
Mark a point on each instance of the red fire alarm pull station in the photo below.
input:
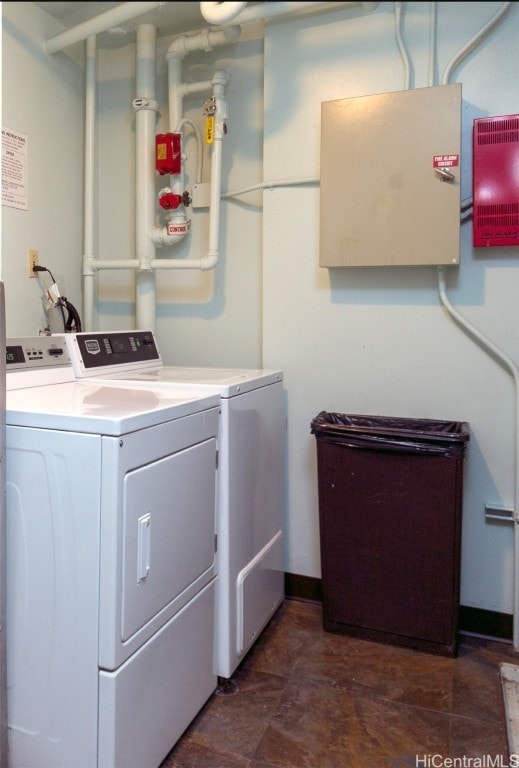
(167, 153)
(495, 154)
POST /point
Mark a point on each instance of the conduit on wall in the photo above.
(487, 344)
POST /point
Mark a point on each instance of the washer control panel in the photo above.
(94, 354)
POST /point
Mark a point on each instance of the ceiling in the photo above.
(171, 19)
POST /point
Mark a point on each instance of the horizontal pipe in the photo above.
(262, 11)
(205, 263)
(100, 264)
(205, 40)
(510, 364)
(102, 22)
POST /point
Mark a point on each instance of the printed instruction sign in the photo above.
(14, 169)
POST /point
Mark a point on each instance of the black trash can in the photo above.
(390, 497)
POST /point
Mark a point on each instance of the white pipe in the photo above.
(145, 119)
(507, 361)
(204, 263)
(219, 13)
(261, 11)
(198, 138)
(514, 370)
(112, 18)
(205, 40)
(178, 224)
(467, 48)
(401, 47)
(188, 89)
(163, 237)
(220, 80)
(102, 264)
(432, 42)
(88, 236)
(270, 185)
(175, 104)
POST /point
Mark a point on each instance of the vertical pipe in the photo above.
(219, 82)
(432, 43)
(507, 361)
(145, 117)
(514, 370)
(88, 235)
(176, 111)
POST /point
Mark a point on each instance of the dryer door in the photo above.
(169, 528)
(158, 525)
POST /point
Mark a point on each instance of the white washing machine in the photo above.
(250, 559)
(111, 568)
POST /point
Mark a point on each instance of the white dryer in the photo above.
(250, 558)
(111, 572)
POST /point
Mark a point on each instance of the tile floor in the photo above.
(305, 698)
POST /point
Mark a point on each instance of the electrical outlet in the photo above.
(32, 261)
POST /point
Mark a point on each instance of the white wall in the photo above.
(42, 97)
(376, 341)
(360, 341)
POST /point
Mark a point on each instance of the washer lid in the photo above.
(228, 382)
(99, 408)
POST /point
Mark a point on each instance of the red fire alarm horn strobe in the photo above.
(495, 154)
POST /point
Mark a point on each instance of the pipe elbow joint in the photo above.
(209, 261)
(221, 13)
(206, 40)
(171, 234)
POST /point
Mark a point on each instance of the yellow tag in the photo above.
(209, 129)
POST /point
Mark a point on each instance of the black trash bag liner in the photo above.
(387, 433)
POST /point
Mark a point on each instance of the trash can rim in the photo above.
(386, 426)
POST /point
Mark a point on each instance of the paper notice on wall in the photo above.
(14, 169)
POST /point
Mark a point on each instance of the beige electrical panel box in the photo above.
(390, 179)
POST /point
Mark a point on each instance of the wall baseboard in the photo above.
(489, 623)
(303, 587)
(472, 620)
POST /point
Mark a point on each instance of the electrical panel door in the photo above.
(390, 179)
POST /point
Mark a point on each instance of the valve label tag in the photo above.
(181, 228)
(209, 129)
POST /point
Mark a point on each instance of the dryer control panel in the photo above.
(29, 352)
(99, 353)
(33, 361)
